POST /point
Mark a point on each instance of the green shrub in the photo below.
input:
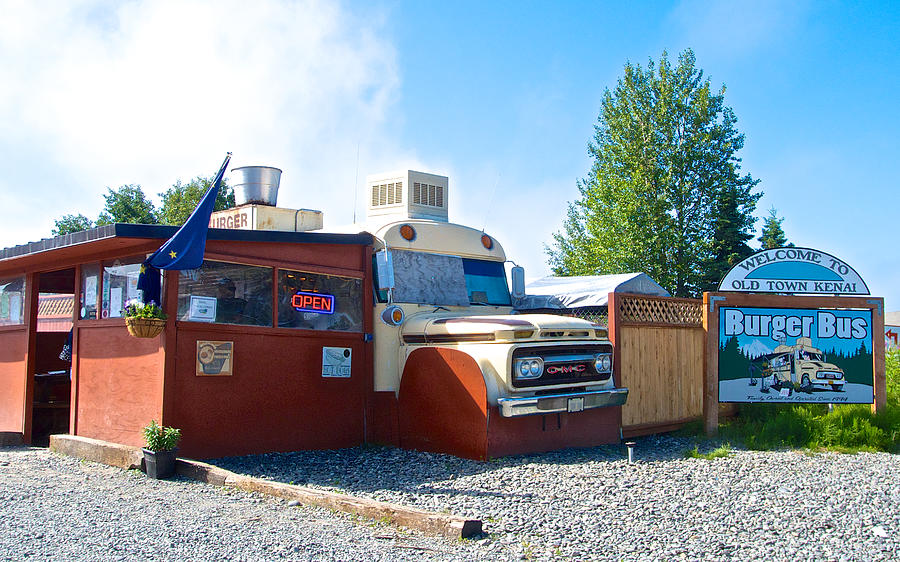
(892, 364)
(847, 428)
(160, 438)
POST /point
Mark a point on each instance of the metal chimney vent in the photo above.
(406, 194)
(255, 185)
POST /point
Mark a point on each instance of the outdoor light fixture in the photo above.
(630, 445)
(487, 241)
(408, 232)
(392, 316)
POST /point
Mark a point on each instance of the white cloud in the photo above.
(730, 29)
(96, 94)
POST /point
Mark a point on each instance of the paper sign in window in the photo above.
(203, 309)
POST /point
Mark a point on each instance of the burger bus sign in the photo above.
(787, 354)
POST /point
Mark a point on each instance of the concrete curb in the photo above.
(127, 457)
(113, 454)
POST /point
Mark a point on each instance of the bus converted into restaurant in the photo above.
(290, 338)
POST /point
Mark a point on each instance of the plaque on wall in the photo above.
(336, 362)
(215, 358)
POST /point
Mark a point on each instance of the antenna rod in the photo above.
(490, 202)
(356, 184)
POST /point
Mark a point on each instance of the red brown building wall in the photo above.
(119, 380)
(275, 400)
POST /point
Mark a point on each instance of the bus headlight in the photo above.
(529, 368)
(603, 362)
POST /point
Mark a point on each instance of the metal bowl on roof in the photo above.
(255, 185)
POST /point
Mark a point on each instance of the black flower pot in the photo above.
(159, 464)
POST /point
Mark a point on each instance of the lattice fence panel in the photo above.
(596, 315)
(678, 312)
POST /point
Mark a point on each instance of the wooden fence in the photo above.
(660, 346)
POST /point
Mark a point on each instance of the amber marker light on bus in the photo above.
(392, 316)
(408, 233)
(487, 241)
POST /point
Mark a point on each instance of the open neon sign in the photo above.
(319, 303)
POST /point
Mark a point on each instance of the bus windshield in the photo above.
(486, 282)
(440, 279)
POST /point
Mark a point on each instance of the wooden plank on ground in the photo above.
(124, 456)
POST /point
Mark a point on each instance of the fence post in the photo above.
(878, 351)
(710, 367)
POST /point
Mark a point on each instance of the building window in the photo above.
(120, 279)
(313, 301)
(12, 301)
(226, 293)
(90, 285)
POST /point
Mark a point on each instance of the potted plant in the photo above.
(144, 320)
(160, 449)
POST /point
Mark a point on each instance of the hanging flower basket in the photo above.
(144, 320)
(145, 327)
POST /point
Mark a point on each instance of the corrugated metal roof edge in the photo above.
(162, 232)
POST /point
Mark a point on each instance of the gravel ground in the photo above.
(592, 504)
(583, 504)
(54, 507)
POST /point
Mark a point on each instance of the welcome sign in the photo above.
(795, 355)
(796, 271)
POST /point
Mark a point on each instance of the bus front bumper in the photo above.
(563, 402)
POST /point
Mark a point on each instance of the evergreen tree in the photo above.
(772, 235)
(732, 229)
(733, 364)
(665, 150)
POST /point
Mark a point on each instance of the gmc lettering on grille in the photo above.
(554, 369)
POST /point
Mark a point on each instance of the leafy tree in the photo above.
(127, 204)
(180, 200)
(772, 235)
(732, 229)
(71, 223)
(665, 150)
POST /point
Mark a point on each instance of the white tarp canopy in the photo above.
(586, 290)
(890, 318)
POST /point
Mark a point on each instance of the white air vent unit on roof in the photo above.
(407, 194)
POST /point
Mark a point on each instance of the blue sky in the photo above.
(500, 96)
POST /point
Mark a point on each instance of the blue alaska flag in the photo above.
(185, 249)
